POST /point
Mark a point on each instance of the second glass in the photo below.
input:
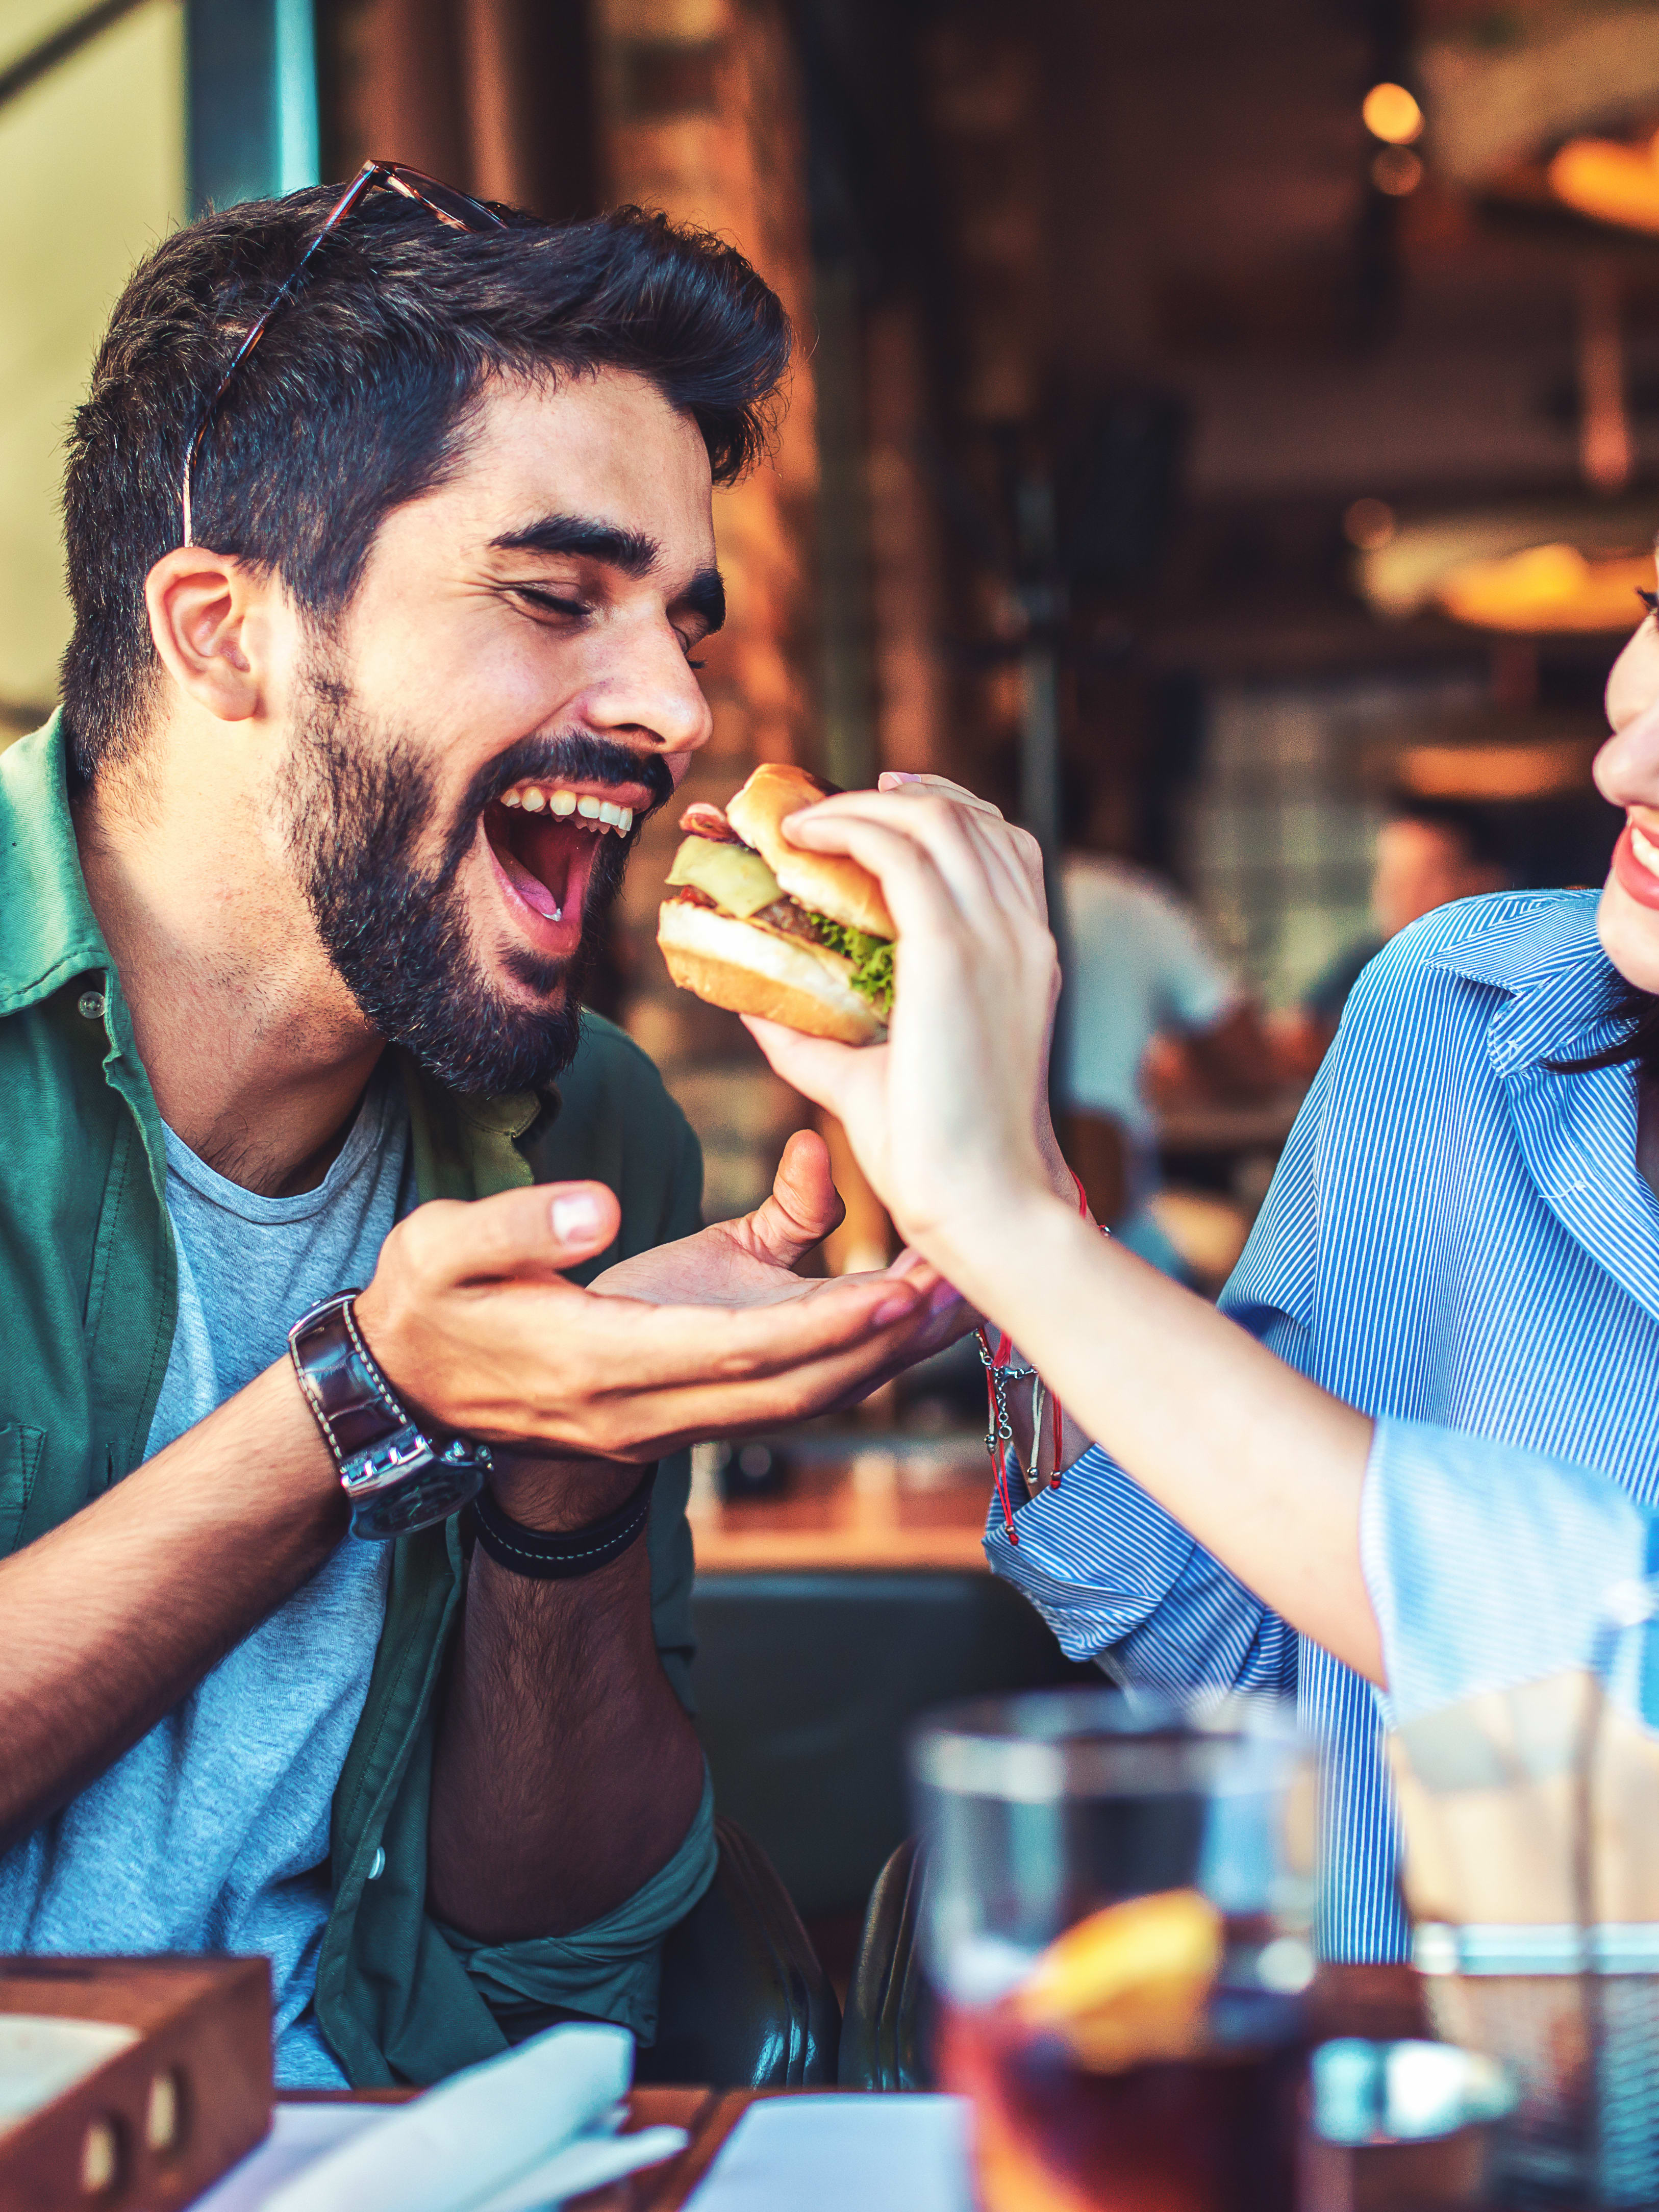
(1115, 1921)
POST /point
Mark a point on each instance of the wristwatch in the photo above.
(396, 1478)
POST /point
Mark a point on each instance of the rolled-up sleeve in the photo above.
(611, 1969)
(1120, 1582)
(1116, 1578)
(1488, 1566)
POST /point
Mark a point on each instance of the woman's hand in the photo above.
(948, 1118)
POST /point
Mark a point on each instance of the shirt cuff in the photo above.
(1095, 1556)
(611, 1969)
(1487, 1566)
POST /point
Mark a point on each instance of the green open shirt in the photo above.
(89, 1297)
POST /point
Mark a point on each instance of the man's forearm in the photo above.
(567, 1772)
(110, 1619)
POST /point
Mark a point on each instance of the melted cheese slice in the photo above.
(738, 881)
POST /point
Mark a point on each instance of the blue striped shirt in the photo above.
(1457, 1234)
(1489, 1568)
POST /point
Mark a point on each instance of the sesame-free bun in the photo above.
(751, 970)
(828, 883)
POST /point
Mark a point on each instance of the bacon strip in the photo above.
(702, 819)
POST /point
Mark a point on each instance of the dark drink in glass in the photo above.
(1216, 2131)
(1114, 1920)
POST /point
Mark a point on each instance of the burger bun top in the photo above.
(828, 883)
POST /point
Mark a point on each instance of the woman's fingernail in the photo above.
(574, 1216)
(894, 1309)
(944, 1297)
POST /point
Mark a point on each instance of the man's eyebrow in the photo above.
(705, 596)
(630, 550)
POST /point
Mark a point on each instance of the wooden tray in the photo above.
(162, 2117)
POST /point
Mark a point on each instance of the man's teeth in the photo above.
(602, 813)
(1645, 849)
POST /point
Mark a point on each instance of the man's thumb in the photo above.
(584, 1217)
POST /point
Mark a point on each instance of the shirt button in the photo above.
(377, 1864)
(92, 1005)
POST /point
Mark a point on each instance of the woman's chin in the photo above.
(1630, 936)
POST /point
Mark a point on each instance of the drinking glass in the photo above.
(1114, 1921)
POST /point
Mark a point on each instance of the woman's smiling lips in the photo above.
(1636, 863)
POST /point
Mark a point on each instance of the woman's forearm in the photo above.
(1261, 1466)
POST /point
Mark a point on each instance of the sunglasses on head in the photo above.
(458, 211)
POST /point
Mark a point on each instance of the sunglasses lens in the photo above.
(445, 201)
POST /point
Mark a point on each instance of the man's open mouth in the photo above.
(543, 838)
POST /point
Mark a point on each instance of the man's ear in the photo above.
(208, 618)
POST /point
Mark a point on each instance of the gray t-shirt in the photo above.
(212, 1833)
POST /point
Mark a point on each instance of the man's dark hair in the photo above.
(1475, 827)
(357, 397)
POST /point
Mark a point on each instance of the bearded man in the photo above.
(389, 543)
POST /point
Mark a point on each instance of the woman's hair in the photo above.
(358, 397)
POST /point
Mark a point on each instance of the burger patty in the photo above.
(783, 915)
(788, 919)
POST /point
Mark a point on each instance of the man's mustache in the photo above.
(574, 756)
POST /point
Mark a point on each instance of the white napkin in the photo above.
(489, 2134)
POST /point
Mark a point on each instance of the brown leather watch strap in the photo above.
(396, 1477)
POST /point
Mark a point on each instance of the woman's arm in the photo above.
(949, 1120)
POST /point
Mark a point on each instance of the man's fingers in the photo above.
(840, 1377)
(639, 1347)
(536, 1231)
(805, 1205)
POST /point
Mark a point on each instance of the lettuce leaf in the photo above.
(872, 958)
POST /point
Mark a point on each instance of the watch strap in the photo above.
(395, 1476)
(563, 1556)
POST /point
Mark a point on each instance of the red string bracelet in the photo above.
(999, 1433)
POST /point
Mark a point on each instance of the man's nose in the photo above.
(648, 689)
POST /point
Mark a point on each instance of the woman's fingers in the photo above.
(960, 850)
(903, 786)
(818, 1067)
(1025, 848)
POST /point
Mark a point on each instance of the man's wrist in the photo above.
(553, 1496)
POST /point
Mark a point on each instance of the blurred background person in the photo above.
(1429, 852)
(1140, 967)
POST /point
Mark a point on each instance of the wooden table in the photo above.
(1379, 2001)
(916, 1505)
(707, 2116)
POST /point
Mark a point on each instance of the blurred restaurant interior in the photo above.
(1217, 430)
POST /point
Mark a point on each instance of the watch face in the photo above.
(431, 1493)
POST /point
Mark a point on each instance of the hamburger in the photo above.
(756, 925)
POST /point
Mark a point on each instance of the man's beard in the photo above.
(359, 803)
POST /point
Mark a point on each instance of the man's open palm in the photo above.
(749, 1261)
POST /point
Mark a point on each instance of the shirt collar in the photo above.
(50, 933)
(1540, 948)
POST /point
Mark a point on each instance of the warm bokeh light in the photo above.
(1367, 524)
(1396, 173)
(1547, 587)
(1390, 113)
(1611, 182)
